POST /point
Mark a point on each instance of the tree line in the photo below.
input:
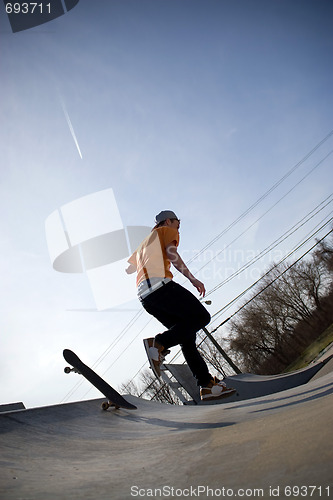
(290, 309)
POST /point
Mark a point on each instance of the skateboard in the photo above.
(114, 398)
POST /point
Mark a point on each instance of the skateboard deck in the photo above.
(114, 398)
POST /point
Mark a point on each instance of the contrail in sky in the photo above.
(70, 126)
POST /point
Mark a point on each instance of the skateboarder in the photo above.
(173, 305)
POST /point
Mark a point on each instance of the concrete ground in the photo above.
(256, 448)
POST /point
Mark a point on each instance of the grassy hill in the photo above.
(313, 351)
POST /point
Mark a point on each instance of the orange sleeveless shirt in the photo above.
(150, 257)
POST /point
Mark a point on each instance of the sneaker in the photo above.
(216, 389)
(156, 354)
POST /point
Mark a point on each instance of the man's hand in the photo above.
(130, 269)
(199, 286)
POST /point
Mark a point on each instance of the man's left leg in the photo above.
(195, 362)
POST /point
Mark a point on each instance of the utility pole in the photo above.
(222, 351)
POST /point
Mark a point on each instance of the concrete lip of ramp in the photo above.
(252, 448)
(250, 386)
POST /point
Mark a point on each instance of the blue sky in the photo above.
(197, 106)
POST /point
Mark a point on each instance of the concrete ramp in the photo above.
(250, 386)
(258, 446)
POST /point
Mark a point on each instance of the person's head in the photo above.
(167, 218)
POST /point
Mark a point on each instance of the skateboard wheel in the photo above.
(67, 369)
(114, 405)
(105, 406)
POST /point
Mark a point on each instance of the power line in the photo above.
(268, 272)
(273, 245)
(267, 211)
(267, 193)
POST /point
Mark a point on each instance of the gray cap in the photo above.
(164, 215)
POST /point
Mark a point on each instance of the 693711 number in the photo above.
(28, 8)
(306, 491)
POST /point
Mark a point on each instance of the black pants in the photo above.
(183, 314)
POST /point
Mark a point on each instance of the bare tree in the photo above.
(150, 388)
(213, 357)
(324, 254)
(267, 330)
